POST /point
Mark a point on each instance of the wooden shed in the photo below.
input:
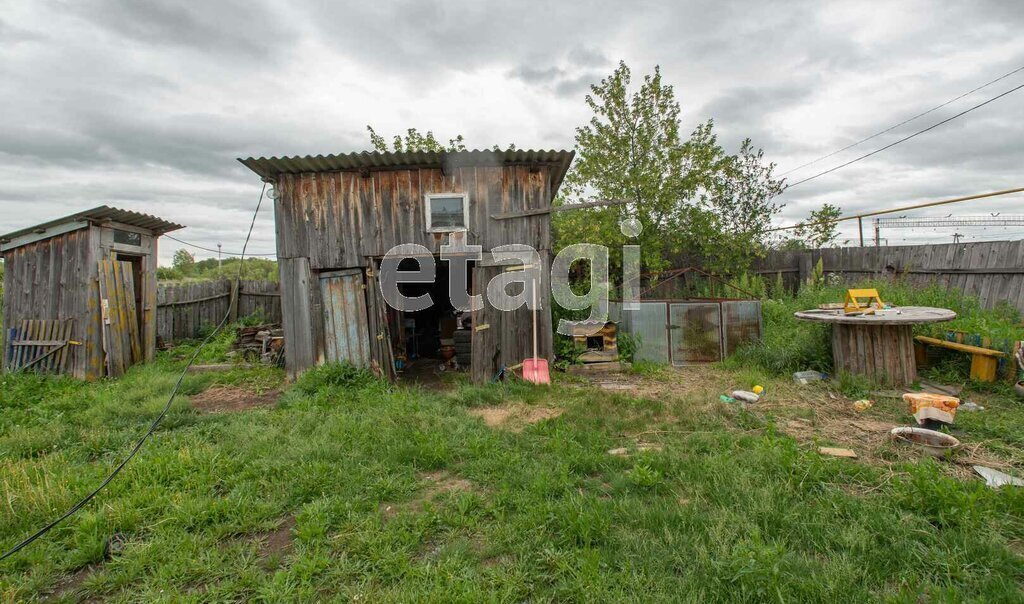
(80, 293)
(336, 216)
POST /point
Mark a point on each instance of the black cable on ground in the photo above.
(156, 422)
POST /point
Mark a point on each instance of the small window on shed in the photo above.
(447, 212)
(127, 237)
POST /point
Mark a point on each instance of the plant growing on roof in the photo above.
(415, 141)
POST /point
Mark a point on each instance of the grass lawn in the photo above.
(347, 488)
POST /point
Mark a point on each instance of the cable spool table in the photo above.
(880, 346)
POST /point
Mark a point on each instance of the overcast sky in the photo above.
(146, 105)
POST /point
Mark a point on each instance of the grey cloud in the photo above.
(146, 105)
(234, 28)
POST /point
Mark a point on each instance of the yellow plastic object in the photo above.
(854, 297)
(863, 404)
(758, 389)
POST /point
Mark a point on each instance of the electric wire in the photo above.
(930, 204)
(905, 138)
(156, 422)
(906, 121)
(215, 251)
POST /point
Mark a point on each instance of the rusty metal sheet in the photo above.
(741, 323)
(696, 332)
(346, 329)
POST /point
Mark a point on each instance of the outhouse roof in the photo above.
(158, 226)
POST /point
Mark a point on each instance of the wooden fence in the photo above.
(990, 270)
(183, 310)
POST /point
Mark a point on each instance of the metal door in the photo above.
(346, 332)
(696, 332)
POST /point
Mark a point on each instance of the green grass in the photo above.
(729, 510)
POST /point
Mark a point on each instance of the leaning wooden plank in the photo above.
(44, 365)
(65, 333)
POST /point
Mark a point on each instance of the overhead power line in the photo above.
(930, 204)
(199, 247)
(906, 138)
(906, 121)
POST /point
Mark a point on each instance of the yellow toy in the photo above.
(758, 389)
(854, 296)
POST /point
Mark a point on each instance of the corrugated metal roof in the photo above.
(270, 167)
(159, 226)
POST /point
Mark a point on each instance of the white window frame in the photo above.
(429, 197)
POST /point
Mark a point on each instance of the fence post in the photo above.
(805, 268)
(234, 301)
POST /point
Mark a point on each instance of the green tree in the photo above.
(821, 228)
(183, 261)
(688, 194)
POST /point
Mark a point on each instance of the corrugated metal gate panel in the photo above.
(741, 323)
(346, 333)
(696, 332)
(648, 324)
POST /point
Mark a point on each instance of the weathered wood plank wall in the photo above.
(336, 220)
(55, 279)
(184, 310)
(992, 271)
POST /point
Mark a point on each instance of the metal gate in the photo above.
(346, 333)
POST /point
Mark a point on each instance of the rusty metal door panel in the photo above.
(696, 332)
(741, 323)
(346, 329)
(648, 325)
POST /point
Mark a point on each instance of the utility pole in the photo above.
(878, 239)
(956, 238)
(220, 265)
(860, 228)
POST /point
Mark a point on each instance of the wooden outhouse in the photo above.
(80, 293)
(338, 215)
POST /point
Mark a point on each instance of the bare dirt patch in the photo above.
(232, 399)
(435, 485)
(275, 544)
(71, 585)
(516, 417)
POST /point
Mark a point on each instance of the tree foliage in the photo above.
(182, 259)
(259, 269)
(689, 195)
(821, 229)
